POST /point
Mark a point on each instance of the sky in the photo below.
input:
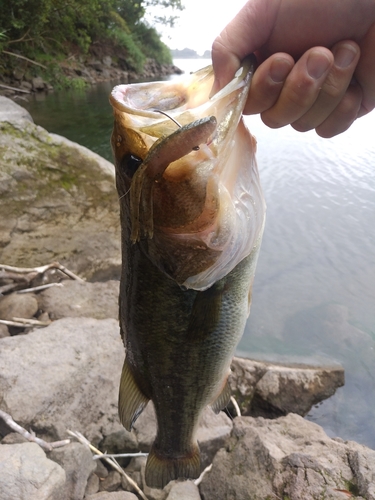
(199, 24)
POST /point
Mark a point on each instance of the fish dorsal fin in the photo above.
(131, 400)
(223, 399)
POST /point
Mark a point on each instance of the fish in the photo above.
(192, 215)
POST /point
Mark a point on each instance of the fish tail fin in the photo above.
(131, 399)
(161, 469)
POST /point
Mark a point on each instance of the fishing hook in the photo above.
(195, 148)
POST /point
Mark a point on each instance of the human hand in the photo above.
(316, 91)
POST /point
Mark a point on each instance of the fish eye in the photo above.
(129, 164)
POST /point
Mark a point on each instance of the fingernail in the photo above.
(317, 65)
(280, 69)
(344, 56)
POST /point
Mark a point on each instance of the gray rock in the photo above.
(70, 380)
(26, 85)
(38, 83)
(50, 207)
(77, 299)
(107, 61)
(76, 460)
(14, 438)
(11, 111)
(92, 486)
(111, 482)
(213, 433)
(272, 389)
(4, 331)
(288, 458)
(27, 474)
(117, 495)
(16, 305)
(121, 441)
(101, 470)
(184, 491)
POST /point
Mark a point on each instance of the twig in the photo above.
(13, 323)
(24, 58)
(31, 321)
(39, 288)
(30, 437)
(15, 88)
(111, 461)
(41, 270)
(236, 407)
(204, 472)
(119, 455)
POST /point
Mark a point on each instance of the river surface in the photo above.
(314, 291)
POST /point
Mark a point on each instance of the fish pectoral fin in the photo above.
(131, 399)
(223, 399)
(161, 469)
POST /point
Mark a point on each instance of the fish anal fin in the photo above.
(131, 399)
(160, 469)
(223, 399)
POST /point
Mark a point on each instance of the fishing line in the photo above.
(195, 148)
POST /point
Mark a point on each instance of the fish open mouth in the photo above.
(196, 196)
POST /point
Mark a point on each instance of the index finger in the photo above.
(245, 34)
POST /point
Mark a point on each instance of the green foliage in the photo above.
(135, 56)
(151, 44)
(55, 27)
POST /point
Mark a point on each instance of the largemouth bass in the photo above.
(192, 217)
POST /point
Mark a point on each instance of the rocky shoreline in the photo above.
(60, 369)
(89, 72)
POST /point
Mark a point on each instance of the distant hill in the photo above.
(189, 54)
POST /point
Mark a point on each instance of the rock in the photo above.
(58, 202)
(10, 111)
(70, 380)
(16, 305)
(117, 495)
(101, 470)
(76, 460)
(26, 85)
(121, 441)
(92, 486)
(18, 73)
(38, 83)
(145, 428)
(14, 438)
(4, 332)
(27, 474)
(111, 482)
(272, 390)
(184, 491)
(107, 61)
(288, 457)
(213, 433)
(77, 299)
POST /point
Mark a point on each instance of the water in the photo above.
(314, 291)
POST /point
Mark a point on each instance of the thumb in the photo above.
(245, 34)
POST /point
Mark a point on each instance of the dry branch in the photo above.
(111, 461)
(15, 88)
(31, 437)
(24, 58)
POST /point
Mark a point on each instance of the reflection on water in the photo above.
(314, 291)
